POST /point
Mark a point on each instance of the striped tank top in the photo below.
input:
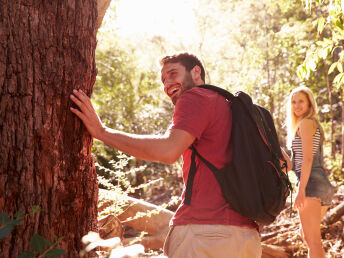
(296, 147)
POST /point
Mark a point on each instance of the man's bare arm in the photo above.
(165, 148)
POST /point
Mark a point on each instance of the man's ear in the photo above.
(196, 74)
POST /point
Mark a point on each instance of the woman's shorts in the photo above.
(319, 186)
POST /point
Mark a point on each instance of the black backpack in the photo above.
(253, 183)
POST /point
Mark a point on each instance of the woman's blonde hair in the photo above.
(292, 122)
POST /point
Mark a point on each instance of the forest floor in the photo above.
(284, 232)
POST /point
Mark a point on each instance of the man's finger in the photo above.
(84, 99)
(78, 113)
(76, 101)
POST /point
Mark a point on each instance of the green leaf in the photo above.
(338, 23)
(54, 253)
(332, 67)
(339, 79)
(14, 222)
(328, 42)
(5, 231)
(302, 71)
(26, 255)
(38, 243)
(311, 63)
(4, 219)
(36, 209)
(57, 239)
(19, 215)
(340, 67)
(332, 13)
(321, 24)
(324, 52)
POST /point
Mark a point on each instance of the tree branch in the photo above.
(334, 214)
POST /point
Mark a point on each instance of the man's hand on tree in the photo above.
(87, 113)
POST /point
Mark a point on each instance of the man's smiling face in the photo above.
(176, 80)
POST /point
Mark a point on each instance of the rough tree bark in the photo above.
(47, 48)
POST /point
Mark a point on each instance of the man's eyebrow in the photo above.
(171, 69)
(167, 72)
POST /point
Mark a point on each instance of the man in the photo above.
(207, 227)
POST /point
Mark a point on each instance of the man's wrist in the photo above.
(101, 133)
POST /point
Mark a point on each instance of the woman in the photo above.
(305, 139)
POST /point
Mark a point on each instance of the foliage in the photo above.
(259, 49)
(125, 98)
(40, 247)
(7, 225)
(327, 50)
(122, 180)
(130, 99)
(334, 167)
(329, 45)
(120, 184)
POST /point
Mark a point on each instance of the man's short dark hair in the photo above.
(188, 60)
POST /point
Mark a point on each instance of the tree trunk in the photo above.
(329, 91)
(341, 93)
(47, 48)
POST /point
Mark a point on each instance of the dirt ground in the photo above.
(285, 232)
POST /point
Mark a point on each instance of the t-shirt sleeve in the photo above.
(191, 112)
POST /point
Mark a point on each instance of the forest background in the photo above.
(264, 48)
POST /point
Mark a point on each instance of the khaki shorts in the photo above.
(198, 241)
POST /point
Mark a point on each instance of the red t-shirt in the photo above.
(207, 116)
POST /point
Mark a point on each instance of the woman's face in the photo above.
(300, 104)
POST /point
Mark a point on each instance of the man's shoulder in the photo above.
(206, 94)
(204, 101)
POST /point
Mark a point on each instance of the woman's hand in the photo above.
(300, 199)
(87, 113)
(287, 159)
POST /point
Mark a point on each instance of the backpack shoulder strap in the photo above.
(189, 183)
(209, 165)
(229, 96)
(192, 173)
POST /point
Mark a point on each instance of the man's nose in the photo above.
(167, 81)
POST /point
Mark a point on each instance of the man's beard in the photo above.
(187, 84)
